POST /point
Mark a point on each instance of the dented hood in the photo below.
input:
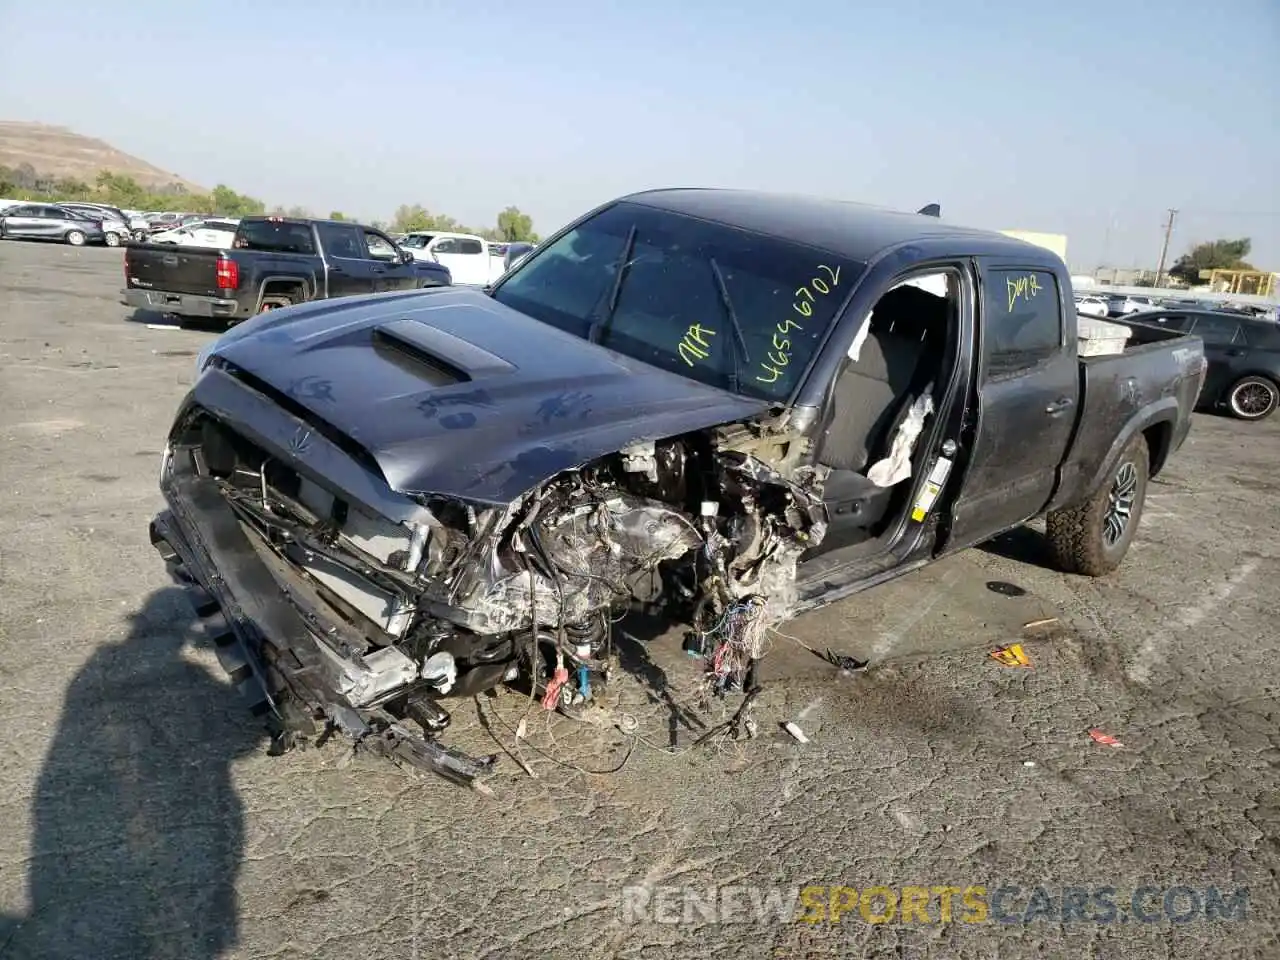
(453, 393)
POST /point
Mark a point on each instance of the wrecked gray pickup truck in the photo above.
(728, 406)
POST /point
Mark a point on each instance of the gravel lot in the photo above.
(145, 820)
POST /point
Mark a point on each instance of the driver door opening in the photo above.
(881, 412)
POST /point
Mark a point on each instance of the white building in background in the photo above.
(1057, 242)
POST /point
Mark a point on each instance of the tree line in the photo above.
(25, 183)
(1213, 255)
(118, 190)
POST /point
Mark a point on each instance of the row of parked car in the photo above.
(1241, 345)
(1106, 305)
(81, 222)
(472, 260)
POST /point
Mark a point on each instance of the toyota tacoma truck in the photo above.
(272, 262)
(728, 406)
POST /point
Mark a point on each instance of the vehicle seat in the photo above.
(853, 495)
(872, 395)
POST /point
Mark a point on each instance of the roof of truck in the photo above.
(855, 231)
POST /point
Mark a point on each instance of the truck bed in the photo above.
(1159, 369)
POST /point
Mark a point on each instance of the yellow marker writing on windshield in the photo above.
(825, 282)
(694, 344)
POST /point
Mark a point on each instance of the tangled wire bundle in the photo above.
(733, 642)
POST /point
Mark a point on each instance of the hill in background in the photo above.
(61, 153)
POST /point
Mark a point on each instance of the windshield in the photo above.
(684, 287)
(416, 241)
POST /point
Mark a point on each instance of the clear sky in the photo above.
(1086, 118)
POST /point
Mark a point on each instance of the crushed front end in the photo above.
(338, 603)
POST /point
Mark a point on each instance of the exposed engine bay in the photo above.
(706, 528)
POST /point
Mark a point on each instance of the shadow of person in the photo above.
(632, 640)
(139, 832)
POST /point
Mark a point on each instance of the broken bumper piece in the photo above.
(267, 636)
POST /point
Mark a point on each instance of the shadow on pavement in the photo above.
(1023, 545)
(138, 830)
(168, 320)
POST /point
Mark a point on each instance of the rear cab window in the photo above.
(683, 279)
(1023, 319)
(275, 236)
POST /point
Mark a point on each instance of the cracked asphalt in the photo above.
(143, 818)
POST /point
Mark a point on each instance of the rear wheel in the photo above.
(275, 302)
(75, 238)
(112, 240)
(1093, 537)
(1253, 398)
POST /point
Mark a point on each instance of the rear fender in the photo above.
(1162, 413)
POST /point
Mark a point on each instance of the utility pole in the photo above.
(1164, 249)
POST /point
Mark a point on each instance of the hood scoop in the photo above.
(451, 359)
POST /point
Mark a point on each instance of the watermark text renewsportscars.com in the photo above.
(1005, 903)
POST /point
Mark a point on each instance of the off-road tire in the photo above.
(1252, 385)
(1076, 534)
(75, 237)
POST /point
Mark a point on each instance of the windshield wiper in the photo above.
(740, 354)
(601, 326)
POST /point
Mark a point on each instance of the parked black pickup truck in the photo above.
(726, 405)
(273, 262)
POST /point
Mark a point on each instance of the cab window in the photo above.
(1023, 320)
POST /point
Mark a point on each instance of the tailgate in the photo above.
(172, 269)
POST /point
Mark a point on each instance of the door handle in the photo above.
(1061, 405)
(333, 269)
(378, 270)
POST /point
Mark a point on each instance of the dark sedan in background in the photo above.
(1243, 354)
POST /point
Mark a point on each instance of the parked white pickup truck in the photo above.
(470, 259)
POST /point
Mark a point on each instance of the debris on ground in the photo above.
(1005, 589)
(1011, 656)
(845, 662)
(735, 725)
(795, 731)
(1036, 624)
(1104, 738)
(841, 660)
